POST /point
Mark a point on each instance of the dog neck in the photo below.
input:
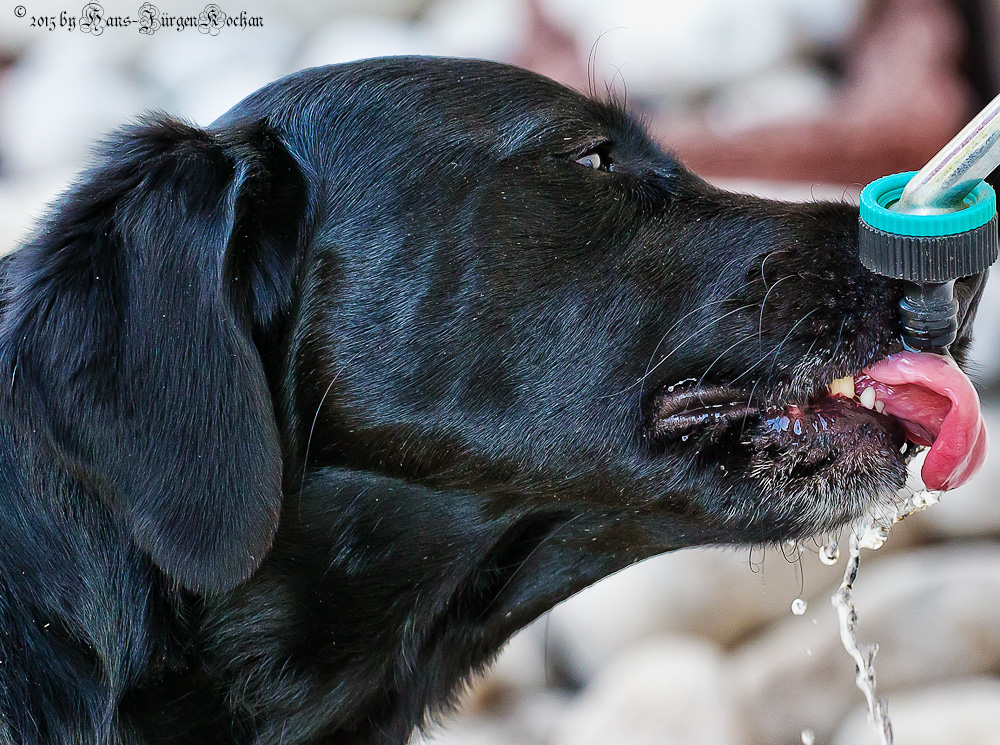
(364, 594)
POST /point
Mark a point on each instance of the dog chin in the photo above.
(831, 477)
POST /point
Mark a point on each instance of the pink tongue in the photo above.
(936, 403)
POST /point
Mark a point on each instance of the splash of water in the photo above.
(869, 532)
(830, 552)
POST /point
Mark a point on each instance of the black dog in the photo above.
(305, 413)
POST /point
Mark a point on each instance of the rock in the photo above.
(670, 691)
(17, 35)
(535, 717)
(675, 47)
(795, 92)
(966, 712)
(304, 14)
(934, 612)
(519, 670)
(60, 98)
(199, 76)
(524, 721)
(359, 38)
(986, 340)
(462, 733)
(488, 29)
(820, 25)
(719, 594)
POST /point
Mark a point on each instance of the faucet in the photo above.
(931, 227)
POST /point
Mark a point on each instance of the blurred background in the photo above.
(796, 99)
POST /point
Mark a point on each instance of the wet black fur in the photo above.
(306, 412)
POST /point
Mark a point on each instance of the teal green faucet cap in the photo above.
(926, 248)
(878, 197)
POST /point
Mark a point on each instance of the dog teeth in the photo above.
(842, 387)
(868, 398)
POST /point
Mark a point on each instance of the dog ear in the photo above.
(131, 331)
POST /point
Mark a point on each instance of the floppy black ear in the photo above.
(132, 347)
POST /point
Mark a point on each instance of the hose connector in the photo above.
(928, 252)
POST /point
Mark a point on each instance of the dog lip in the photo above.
(676, 413)
(698, 399)
(681, 413)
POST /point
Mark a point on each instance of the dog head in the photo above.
(511, 290)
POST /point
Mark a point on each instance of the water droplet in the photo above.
(808, 737)
(798, 427)
(684, 438)
(799, 607)
(830, 553)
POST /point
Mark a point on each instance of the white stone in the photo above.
(712, 593)
(527, 720)
(519, 670)
(199, 76)
(18, 34)
(462, 733)
(359, 38)
(822, 24)
(791, 93)
(488, 29)
(58, 100)
(935, 614)
(671, 47)
(305, 14)
(965, 712)
(670, 691)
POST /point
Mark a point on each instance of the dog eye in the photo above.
(596, 158)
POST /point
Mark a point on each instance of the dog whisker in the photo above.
(667, 333)
(760, 323)
(722, 354)
(787, 337)
(679, 345)
(312, 428)
(763, 263)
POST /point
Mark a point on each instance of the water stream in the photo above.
(869, 532)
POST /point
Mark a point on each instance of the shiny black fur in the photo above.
(306, 412)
